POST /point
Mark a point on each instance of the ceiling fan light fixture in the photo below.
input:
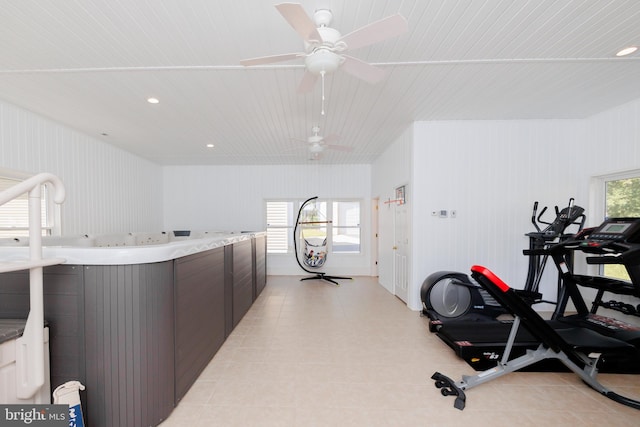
(316, 148)
(322, 60)
(627, 51)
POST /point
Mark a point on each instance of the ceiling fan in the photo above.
(325, 46)
(317, 143)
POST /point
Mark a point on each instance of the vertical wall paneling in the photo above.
(490, 172)
(613, 140)
(108, 189)
(232, 198)
(391, 170)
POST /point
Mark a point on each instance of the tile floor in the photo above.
(313, 354)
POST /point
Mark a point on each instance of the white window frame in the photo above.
(598, 186)
(295, 209)
(50, 211)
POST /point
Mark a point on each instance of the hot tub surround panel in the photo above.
(139, 334)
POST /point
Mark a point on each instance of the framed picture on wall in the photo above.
(400, 195)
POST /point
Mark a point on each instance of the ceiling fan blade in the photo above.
(270, 59)
(339, 147)
(362, 70)
(296, 148)
(308, 82)
(330, 138)
(301, 22)
(375, 32)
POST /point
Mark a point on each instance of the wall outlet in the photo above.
(443, 213)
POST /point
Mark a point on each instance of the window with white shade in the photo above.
(14, 215)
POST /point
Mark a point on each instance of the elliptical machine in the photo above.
(450, 295)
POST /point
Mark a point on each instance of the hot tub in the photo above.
(136, 317)
(122, 249)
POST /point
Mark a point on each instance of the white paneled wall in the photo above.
(390, 171)
(490, 172)
(614, 140)
(232, 198)
(108, 190)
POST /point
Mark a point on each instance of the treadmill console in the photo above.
(617, 230)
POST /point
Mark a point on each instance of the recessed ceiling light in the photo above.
(153, 100)
(627, 51)
(210, 145)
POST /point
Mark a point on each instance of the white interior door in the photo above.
(401, 252)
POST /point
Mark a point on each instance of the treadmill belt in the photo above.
(482, 343)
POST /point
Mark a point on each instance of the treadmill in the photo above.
(580, 350)
(617, 240)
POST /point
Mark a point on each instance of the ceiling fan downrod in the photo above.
(322, 73)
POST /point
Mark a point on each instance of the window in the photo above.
(342, 232)
(279, 226)
(14, 215)
(622, 199)
(346, 227)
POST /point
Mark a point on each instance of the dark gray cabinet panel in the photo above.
(129, 344)
(228, 290)
(242, 279)
(199, 314)
(260, 264)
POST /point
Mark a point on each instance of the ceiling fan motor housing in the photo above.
(322, 17)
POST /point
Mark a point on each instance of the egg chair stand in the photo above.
(315, 251)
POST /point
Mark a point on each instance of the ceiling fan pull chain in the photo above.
(322, 76)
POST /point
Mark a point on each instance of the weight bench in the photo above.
(579, 349)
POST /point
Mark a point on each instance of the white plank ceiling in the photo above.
(91, 65)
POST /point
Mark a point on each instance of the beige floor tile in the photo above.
(312, 354)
